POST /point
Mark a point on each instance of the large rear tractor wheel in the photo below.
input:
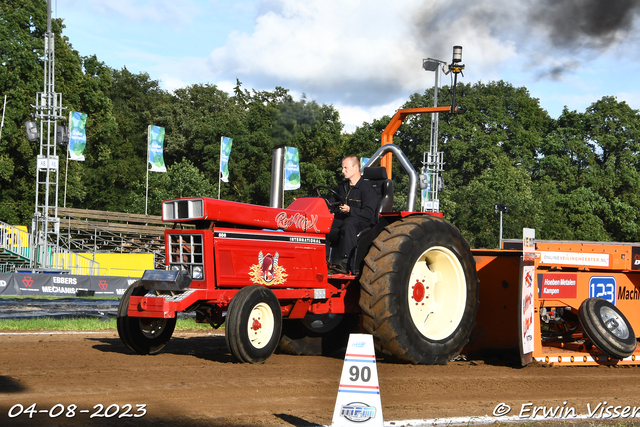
(607, 327)
(419, 291)
(142, 335)
(253, 324)
(317, 335)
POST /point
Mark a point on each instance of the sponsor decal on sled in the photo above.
(635, 258)
(267, 271)
(558, 285)
(603, 287)
(623, 293)
(572, 258)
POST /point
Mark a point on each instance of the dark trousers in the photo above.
(344, 232)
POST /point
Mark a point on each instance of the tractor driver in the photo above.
(357, 213)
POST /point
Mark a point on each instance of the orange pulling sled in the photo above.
(568, 303)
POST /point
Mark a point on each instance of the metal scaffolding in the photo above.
(432, 162)
(45, 225)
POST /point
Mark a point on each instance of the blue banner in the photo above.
(291, 169)
(77, 135)
(156, 146)
(225, 151)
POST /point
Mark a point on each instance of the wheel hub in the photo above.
(437, 293)
(613, 323)
(418, 292)
(261, 325)
(152, 328)
(256, 324)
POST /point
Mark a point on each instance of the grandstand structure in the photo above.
(84, 231)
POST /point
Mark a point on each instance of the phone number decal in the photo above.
(70, 411)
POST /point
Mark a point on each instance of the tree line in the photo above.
(570, 178)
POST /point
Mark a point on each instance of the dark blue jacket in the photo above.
(361, 198)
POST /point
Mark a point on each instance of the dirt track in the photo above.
(194, 382)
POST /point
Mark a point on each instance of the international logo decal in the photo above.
(267, 271)
(358, 412)
(103, 285)
(27, 281)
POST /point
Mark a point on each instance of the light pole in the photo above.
(502, 208)
(432, 162)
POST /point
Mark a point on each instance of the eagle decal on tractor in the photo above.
(267, 271)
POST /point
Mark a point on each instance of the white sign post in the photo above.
(358, 402)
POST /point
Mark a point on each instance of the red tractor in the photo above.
(263, 272)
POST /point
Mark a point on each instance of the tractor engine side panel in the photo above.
(269, 258)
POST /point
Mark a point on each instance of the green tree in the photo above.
(316, 131)
(82, 82)
(182, 179)
(588, 169)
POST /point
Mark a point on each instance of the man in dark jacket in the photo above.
(357, 213)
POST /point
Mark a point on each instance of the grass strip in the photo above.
(80, 324)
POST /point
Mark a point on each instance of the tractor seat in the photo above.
(383, 187)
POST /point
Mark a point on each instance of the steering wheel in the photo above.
(334, 207)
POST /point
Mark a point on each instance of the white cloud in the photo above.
(353, 52)
(354, 116)
(363, 56)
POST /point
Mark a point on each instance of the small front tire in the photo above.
(142, 335)
(253, 324)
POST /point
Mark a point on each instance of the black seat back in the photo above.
(383, 186)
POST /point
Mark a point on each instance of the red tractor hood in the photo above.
(305, 214)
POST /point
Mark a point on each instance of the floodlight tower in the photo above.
(432, 162)
(45, 225)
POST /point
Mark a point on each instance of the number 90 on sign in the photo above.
(356, 373)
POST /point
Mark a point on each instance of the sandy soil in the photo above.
(195, 382)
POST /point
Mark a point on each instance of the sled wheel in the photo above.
(419, 291)
(142, 335)
(607, 327)
(317, 334)
(253, 324)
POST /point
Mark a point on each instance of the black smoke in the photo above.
(595, 24)
(556, 36)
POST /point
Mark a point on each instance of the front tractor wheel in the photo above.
(419, 291)
(253, 324)
(142, 335)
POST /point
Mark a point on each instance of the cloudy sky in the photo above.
(365, 56)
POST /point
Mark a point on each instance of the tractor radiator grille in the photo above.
(186, 253)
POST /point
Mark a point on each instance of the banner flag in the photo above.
(155, 136)
(77, 135)
(225, 151)
(363, 161)
(291, 169)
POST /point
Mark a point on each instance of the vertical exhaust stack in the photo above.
(277, 177)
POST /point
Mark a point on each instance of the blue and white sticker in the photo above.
(603, 287)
